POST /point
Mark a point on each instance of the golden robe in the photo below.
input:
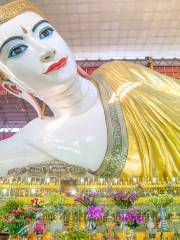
(151, 106)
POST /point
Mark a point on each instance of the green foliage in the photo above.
(178, 212)
(147, 210)
(73, 235)
(162, 200)
(77, 234)
(16, 221)
(65, 210)
(13, 216)
(11, 205)
(132, 224)
(55, 200)
(177, 209)
(60, 236)
(123, 204)
(77, 210)
(2, 222)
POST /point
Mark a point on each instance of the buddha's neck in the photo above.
(80, 96)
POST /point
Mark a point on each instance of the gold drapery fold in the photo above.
(151, 105)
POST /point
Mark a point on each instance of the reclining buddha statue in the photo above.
(121, 120)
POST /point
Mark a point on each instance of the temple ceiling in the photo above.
(103, 29)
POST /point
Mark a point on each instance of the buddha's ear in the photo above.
(82, 72)
(5, 75)
(21, 93)
(12, 85)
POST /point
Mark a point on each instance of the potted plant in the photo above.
(37, 206)
(94, 213)
(55, 201)
(4, 210)
(124, 200)
(37, 203)
(87, 200)
(149, 211)
(10, 205)
(161, 200)
(132, 219)
(55, 205)
(17, 222)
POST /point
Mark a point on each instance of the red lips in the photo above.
(55, 66)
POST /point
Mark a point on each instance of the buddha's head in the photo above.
(32, 51)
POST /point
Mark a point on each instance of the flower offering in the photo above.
(132, 218)
(124, 199)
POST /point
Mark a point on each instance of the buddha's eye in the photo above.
(17, 50)
(46, 32)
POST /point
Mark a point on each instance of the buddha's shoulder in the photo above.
(120, 66)
(122, 71)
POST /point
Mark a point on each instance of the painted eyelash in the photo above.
(13, 48)
(46, 28)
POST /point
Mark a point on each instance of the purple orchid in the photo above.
(132, 218)
(124, 199)
(87, 200)
(95, 212)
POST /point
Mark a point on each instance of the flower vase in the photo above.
(163, 224)
(132, 234)
(57, 224)
(129, 233)
(91, 226)
(169, 214)
(123, 225)
(150, 228)
(39, 215)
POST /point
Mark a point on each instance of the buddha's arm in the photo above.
(17, 153)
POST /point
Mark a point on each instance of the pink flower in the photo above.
(12, 211)
(9, 221)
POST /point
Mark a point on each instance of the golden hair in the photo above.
(14, 8)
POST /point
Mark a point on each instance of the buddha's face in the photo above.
(36, 54)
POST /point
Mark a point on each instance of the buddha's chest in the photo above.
(79, 140)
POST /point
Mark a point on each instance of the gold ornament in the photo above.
(2, 77)
(12, 9)
(82, 224)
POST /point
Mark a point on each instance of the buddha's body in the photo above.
(57, 138)
(79, 133)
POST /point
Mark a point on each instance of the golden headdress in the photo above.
(12, 9)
